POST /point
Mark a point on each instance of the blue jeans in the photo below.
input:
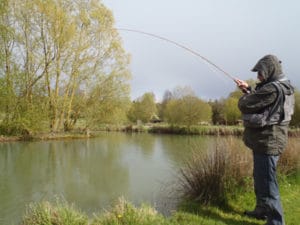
(266, 187)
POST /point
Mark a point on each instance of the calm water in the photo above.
(93, 173)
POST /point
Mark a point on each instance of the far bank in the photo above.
(211, 130)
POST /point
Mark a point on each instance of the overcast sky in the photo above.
(233, 34)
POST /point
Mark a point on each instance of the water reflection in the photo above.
(88, 172)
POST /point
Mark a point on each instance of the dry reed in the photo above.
(210, 177)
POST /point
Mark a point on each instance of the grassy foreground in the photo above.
(124, 213)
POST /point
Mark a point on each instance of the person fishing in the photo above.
(266, 112)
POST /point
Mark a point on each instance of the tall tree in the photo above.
(62, 50)
(7, 65)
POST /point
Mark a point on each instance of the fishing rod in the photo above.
(183, 47)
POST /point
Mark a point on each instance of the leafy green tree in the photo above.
(108, 103)
(187, 109)
(218, 115)
(231, 111)
(52, 50)
(143, 109)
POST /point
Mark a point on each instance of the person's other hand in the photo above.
(241, 84)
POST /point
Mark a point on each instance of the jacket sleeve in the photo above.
(256, 101)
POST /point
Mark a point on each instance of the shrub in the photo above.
(211, 177)
(14, 128)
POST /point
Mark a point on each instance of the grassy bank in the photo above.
(216, 130)
(146, 128)
(198, 130)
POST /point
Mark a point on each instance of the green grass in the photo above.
(59, 213)
(189, 213)
(193, 213)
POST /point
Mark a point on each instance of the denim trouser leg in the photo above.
(266, 187)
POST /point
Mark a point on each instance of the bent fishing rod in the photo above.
(183, 47)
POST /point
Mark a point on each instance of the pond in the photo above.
(94, 173)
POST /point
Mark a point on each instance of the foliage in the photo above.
(108, 102)
(143, 109)
(13, 129)
(182, 107)
(187, 110)
(231, 111)
(62, 55)
(218, 116)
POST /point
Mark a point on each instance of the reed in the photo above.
(211, 177)
(214, 177)
(289, 162)
(198, 130)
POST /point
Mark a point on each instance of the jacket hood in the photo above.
(270, 68)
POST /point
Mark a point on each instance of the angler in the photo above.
(267, 111)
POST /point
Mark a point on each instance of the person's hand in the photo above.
(242, 85)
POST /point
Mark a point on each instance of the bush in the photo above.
(211, 177)
(14, 129)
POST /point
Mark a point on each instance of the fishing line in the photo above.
(183, 47)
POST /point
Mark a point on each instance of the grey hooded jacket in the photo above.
(269, 139)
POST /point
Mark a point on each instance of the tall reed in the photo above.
(210, 177)
(214, 176)
(289, 162)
